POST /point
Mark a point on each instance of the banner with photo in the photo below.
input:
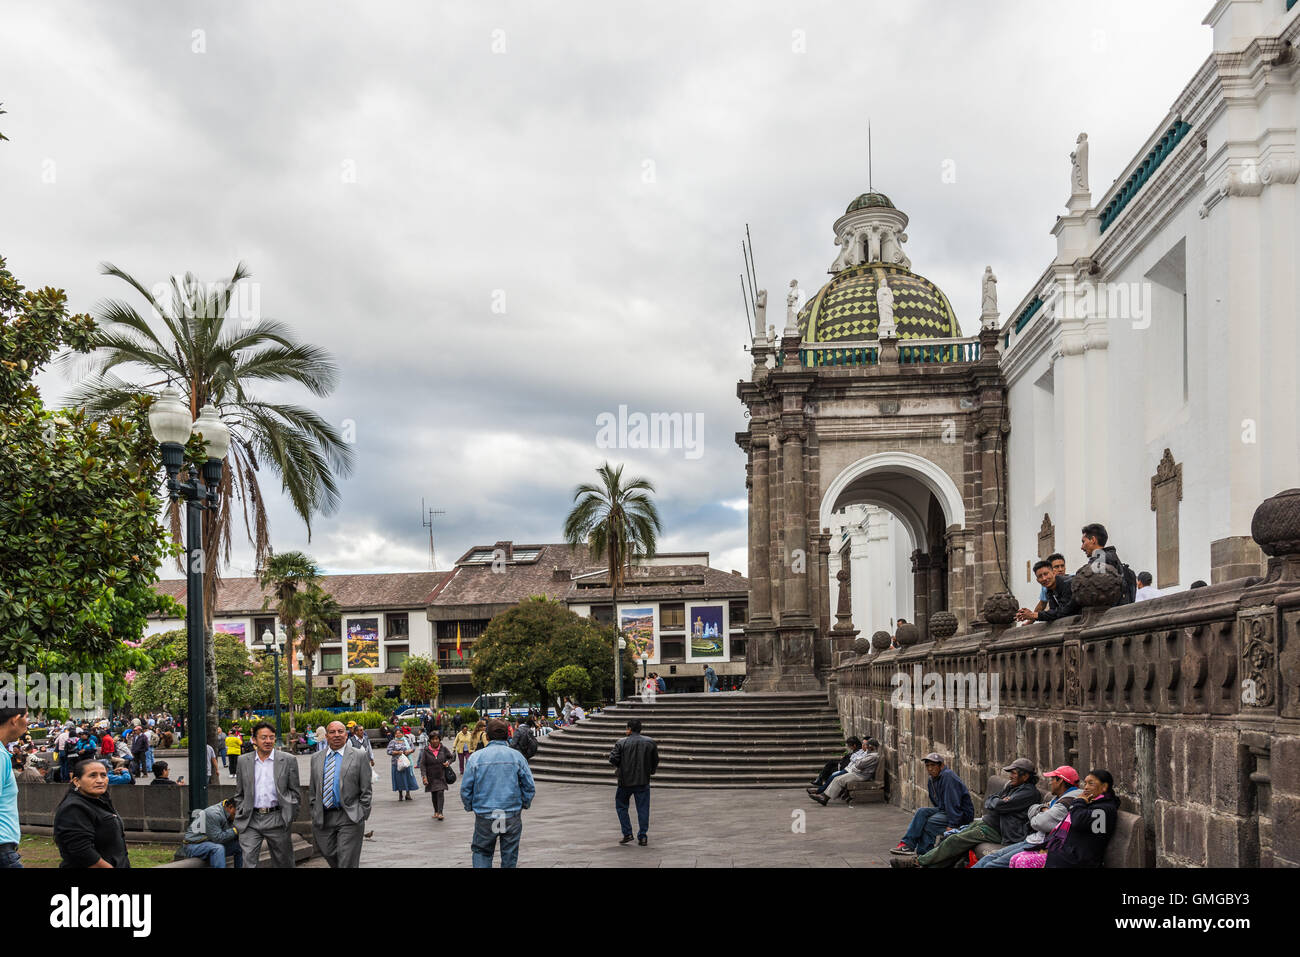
(706, 629)
(363, 643)
(639, 627)
(236, 629)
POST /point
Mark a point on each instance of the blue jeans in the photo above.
(510, 830)
(642, 795)
(927, 824)
(1002, 856)
(10, 859)
(216, 853)
(834, 775)
(148, 761)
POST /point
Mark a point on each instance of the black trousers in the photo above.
(439, 800)
(829, 768)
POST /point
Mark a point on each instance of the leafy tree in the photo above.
(163, 685)
(360, 690)
(419, 678)
(569, 681)
(80, 539)
(523, 646)
(617, 520)
(219, 354)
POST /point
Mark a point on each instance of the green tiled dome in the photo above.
(845, 308)
(867, 200)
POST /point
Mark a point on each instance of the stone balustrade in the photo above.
(1191, 701)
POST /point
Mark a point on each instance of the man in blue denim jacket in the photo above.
(497, 786)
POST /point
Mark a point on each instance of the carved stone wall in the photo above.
(1191, 701)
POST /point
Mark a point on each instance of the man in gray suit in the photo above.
(266, 799)
(340, 804)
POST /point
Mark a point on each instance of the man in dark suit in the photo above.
(340, 804)
(637, 758)
(266, 799)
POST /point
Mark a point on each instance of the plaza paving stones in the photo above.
(574, 825)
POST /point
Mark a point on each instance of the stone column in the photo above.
(795, 591)
(920, 589)
(760, 582)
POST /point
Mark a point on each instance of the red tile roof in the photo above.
(396, 590)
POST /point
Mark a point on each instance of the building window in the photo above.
(739, 612)
(331, 659)
(737, 649)
(447, 657)
(672, 649)
(603, 614)
(261, 626)
(399, 625)
(672, 617)
(397, 654)
(336, 627)
(469, 628)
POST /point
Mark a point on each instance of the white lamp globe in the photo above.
(169, 418)
(216, 437)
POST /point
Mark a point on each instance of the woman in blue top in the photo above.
(401, 746)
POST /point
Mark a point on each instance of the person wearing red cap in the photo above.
(1043, 818)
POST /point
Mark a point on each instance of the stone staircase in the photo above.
(722, 740)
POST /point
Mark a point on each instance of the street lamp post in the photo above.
(618, 667)
(645, 660)
(274, 647)
(169, 421)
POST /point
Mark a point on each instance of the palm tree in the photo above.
(619, 521)
(290, 577)
(320, 612)
(190, 343)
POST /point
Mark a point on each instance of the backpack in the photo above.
(525, 743)
(661, 685)
(1130, 584)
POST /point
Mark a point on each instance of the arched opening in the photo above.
(924, 505)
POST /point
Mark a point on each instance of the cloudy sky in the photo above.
(505, 219)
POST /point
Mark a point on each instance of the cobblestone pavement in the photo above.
(574, 825)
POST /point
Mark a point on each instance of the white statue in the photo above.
(771, 333)
(885, 305)
(761, 309)
(792, 309)
(1079, 165)
(989, 299)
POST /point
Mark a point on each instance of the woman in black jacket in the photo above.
(1092, 824)
(87, 830)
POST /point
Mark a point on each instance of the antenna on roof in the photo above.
(426, 520)
(870, 185)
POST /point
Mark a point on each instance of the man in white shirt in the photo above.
(266, 799)
(1145, 590)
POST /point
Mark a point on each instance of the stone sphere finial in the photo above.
(1093, 588)
(943, 624)
(861, 645)
(881, 640)
(907, 635)
(1275, 526)
(1000, 608)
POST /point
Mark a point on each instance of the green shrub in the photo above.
(467, 715)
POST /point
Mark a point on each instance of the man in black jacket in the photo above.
(1093, 544)
(637, 758)
(1060, 601)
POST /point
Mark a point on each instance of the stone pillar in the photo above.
(821, 549)
(920, 589)
(961, 577)
(843, 634)
(796, 559)
(1235, 557)
(760, 582)
(1166, 493)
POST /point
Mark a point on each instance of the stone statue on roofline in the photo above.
(885, 305)
(792, 309)
(1079, 165)
(989, 297)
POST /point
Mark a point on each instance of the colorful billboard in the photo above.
(233, 628)
(707, 628)
(638, 626)
(363, 643)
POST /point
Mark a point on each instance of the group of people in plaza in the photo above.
(126, 749)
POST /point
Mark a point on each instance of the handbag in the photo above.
(403, 762)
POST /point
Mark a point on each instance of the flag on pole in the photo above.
(458, 651)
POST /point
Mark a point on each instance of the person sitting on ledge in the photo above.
(1043, 818)
(1081, 838)
(1060, 602)
(162, 775)
(861, 769)
(951, 808)
(1005, 821)
(835, 768)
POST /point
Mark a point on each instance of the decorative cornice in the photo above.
(1249, 178)
(1166, 472)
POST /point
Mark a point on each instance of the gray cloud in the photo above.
(481, 174)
